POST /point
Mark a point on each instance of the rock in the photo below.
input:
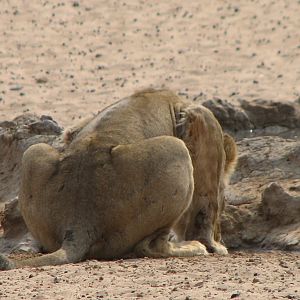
(264, 113)
(41, 80)
(230, 116)
(8, 124)
(256, 117)
(16, 236)
(56, 280)
(16, 87)
(46, 127)
(280, 206)
(267, 157)
(235, 294)
(15, 137)
(255, 280)
(273, 223)
(13, 223)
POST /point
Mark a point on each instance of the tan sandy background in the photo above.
(69, 59)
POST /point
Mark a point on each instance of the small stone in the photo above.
(56, 280)
(255, 280)
(41, 80)
(16, 87)
(235, 294)
(199, 284)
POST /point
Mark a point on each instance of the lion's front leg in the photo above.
(208, 229)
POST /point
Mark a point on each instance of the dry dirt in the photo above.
(69, 59)
(269, 275)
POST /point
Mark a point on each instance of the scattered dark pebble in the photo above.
(235, 294)
(16, 87)
(41, 80)
(56, 280)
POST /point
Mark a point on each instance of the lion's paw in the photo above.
(218, 248)
(200, 249)
(189, 248)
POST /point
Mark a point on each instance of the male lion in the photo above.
(124, 180)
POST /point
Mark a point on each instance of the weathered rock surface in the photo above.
(257, 117)
(264, 113)
(272, 223)
(15, 137)
(263, 160)
(230, 117)
(263, 197)
(16, 236)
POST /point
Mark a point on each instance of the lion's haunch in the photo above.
(144, 166)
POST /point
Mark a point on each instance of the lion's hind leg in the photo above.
(158, 245)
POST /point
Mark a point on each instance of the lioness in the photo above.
(143, 166)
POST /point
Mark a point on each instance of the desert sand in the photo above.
(70, 59)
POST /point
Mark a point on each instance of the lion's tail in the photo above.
(72, 251)
(231, 155)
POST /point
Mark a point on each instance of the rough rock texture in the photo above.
(16, 236)
(230, 117)
(15, 137)
(259, 213)
(263, 113)
(257, 117)
(273, 223)
(262, 160)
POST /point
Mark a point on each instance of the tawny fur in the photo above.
(143, 166)
(231, 155)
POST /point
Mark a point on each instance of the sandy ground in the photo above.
(69, 59)
(269, 275)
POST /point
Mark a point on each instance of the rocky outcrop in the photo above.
(264, 113)
(257, 117)
(15, 137)
(15, 234)
(230, 117)
(272, 223)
